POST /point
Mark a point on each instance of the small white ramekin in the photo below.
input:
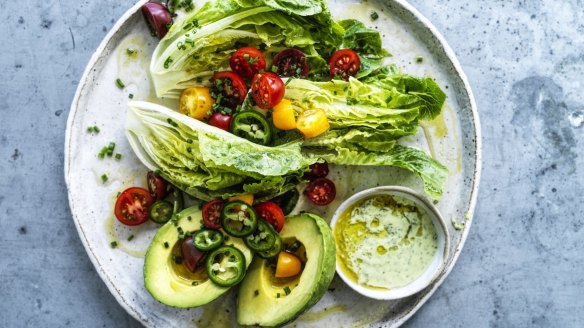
(438, 263)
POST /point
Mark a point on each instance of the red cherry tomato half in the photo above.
(291, 62)
(191, 255)
(212, 213)
(156, 185)
(132, 206)
(247, 62)
(271, 213)
(317, 170)
(228, 89)
(321, 191)
(267, 90)
(344, 63)
(157, 17)
(220, 120)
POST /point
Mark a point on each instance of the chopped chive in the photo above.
(131, 51)
(104, 178)
(374, 15)
(166, 244)
(93, 129)
(277, 295)
(195, 283)
(131, 237)
(118, 156)
(287, 290)
(131, 96)
(288, 81)
(120, 84)
(189, 218)
(177, 259)
(274, 69)
(114, 244)
(167, 62)
(256, 292)
(109, 150)
(419, 59)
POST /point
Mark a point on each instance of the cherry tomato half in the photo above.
(291, 62)
(228, 89)
(271, 213)
(132, 206)
(267, 90)
(156, 185)
(220, 120)
(321, 191)
(192, 256)
(344, 63)
(212, 213)
(247, 62)
(157, 17)
(288, 265)
(196, 102)
(317, 170)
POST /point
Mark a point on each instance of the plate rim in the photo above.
(474, 184)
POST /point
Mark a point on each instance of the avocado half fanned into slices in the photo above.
(172, 283)
(281, 301)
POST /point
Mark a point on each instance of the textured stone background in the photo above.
(523, 264)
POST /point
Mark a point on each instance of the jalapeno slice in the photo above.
(238, 219)
(262, 239)
(252, 126)
(207, 240)
(226, 266)
(274, 251)
(161, 211)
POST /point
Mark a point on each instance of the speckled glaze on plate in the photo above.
(453, 138)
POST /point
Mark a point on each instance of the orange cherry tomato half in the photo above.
(288, 265)
(132, 206)
(247, 62)
(267, 89)
(312, 122)
(344, 63)
(228, 89)
(271, 213)
(283, 116)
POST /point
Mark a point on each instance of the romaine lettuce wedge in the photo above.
(203, 41)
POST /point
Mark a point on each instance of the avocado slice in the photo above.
(171, 283)
(282, 301)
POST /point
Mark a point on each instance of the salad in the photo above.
(268, 93)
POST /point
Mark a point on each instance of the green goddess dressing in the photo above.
(385, 242)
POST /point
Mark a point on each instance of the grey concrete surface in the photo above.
(523, 264)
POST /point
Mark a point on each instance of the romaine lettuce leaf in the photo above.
(366, 42)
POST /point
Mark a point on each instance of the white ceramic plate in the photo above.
(453, 138)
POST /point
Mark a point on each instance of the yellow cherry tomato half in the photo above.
(283, 115)
(312, 123)
(288, 265)
(246, 198)
(196, 102)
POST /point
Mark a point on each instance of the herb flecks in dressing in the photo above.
(385, 241)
